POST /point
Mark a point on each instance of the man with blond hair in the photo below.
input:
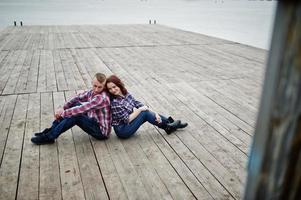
(89, 110)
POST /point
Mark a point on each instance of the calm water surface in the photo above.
(247, 22)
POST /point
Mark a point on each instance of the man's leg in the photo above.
(90, 126)
(54, 124)
(58, 127)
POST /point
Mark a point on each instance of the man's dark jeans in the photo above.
(89, 125)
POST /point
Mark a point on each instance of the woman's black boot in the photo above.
(181, 124)
(172, 126)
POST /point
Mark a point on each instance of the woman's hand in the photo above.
(158, 118)
(136, 112)
(143, 108)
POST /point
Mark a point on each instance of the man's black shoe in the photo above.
(42, 139)
(43, 132)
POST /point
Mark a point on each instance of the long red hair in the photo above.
(117, 81)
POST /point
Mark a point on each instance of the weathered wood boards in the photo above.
(212, 84)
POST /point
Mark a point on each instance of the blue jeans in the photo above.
(127, 130)
(89, 125)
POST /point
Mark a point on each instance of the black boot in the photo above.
(170, 119)
(42, 139)
(43, 132)
(181, 125)
(172, 127)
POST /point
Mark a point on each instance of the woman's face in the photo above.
(114, 89)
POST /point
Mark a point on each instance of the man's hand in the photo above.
(58, 113)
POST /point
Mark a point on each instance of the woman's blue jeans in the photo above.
(127, 130)
(89, 125)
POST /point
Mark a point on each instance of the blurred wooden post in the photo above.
(274, 170)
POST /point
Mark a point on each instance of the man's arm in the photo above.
(97, 102)
(77, 98)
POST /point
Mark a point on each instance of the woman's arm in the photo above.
(136, 112)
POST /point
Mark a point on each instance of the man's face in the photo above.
(97, 86)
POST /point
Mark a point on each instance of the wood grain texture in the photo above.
(212, 84)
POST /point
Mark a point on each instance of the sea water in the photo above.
(243, 21)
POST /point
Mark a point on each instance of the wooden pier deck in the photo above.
(213, 84)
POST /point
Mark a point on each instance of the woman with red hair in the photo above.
(128, 114)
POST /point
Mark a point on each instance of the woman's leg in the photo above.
(127, 130)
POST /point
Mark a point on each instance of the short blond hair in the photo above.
(100, 77)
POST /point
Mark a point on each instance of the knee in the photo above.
(148, 113)
(123, 136)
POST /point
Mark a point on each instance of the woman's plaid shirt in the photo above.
(122, 107)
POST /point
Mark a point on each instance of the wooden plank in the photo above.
(111, 178)
(153, 184)
(173, 103)
(204, 80)
(7, 68)
(5, 40)
(24, 73)
(71, 65)
(9, 171)
(32, 80)
(108, 60)
(243, 112)
(91, 176)
(15, 74)
(72, 187)
(6, 114)
(22, 42)
(95, 62)
(50, 180)
(28, 187)
(42, 40)
(42, 73)
(51, 84)
(36, 41)
(28, 41)
(207, 110)
(166, 169)
(83, 67)
(183, 146)
(231, 91)
(70, 79)
(3, 57)
(131, 181)
(189, 178)
(59, 71)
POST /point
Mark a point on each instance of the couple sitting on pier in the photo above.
(95, 111)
